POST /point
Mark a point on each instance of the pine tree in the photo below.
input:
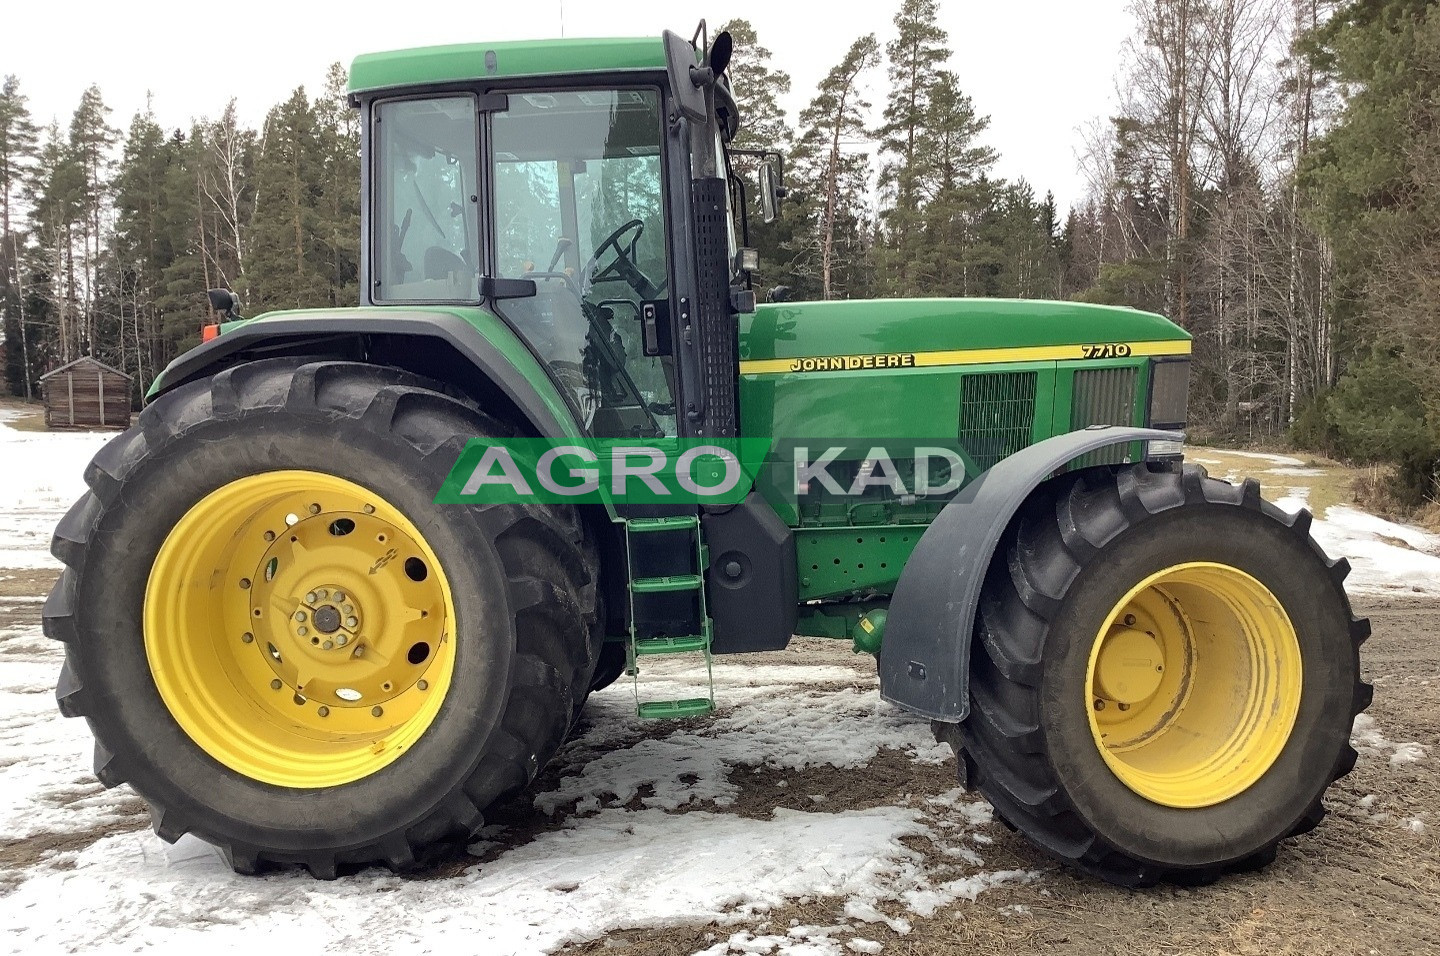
(57, 201)
(1376, 176)
(835, 179)
(91, 140)
(339, 211)
(17, 155)
(916, 55)
(288, 239)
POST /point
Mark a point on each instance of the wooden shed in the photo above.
(86, 394)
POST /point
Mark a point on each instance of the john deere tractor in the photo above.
(293, 641)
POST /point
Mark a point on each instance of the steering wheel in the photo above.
(623, 265)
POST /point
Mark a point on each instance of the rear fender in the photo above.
(925, 658)
(486, 361)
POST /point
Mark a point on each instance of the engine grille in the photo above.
(1103, 396)
(997, 415)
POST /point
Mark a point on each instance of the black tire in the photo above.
(1077, 547)
(610, 667)
(523, 581)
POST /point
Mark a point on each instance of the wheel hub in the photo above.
(327, 619)
(1130, 666)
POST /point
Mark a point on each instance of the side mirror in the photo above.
(770, 193)
(224, 302)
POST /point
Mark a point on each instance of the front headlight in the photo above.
(1164, 449)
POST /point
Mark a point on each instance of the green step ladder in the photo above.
(693, 579)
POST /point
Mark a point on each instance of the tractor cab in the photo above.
(581, 192)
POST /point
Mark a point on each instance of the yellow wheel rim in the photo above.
(299, 629)
(1194, 684)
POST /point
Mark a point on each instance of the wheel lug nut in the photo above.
(269, 536)
(341, 641)
(1099, 705)
(1129, 620)
(302, 631)
(348, 609)
(339, 596)
(352, 621)
(376, 711)
(247, 637)
(299, 615)
(311, 598)
(244, 583)
(314, 509)
(275, 684)
(422, 684)
(328, 645)
(323, 711)
(369, 509)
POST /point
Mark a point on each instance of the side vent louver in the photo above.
(1103, 396)
(997, 415)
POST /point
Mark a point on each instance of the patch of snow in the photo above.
(861, 945)
(1283, 460)
(1365, 736)
(1377, 566)
(788, 727)
(45, 474)
(1296, 472)
(563, 887)
(1407, 753)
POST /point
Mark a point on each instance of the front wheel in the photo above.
(287, 648)
(1164, 676)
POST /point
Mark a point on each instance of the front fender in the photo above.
(482, 341)
(925, 658)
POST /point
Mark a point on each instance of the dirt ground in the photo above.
(1362, 883)
(1366, 882)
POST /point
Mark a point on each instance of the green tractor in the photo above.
(289, 648)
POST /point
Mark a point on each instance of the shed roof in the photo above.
(86, 360)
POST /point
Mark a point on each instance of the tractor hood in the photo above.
(900, 333)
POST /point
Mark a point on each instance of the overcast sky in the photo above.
(1039, 68)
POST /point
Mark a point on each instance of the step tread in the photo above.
(672, 645)
(690, 707)
(671, 523)
(670, 582)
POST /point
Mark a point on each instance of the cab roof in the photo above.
(434, 65)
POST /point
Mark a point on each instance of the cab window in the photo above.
(425, 230)
(580, 210)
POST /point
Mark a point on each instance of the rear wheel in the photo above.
(1164, 678)
(287, 648)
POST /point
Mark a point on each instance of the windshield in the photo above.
(580, 209)
(425, 184)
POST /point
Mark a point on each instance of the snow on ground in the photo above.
(1284, 461)
(607, 867)
(1366, 737)
(841, 727)
(1378, 565)
(42, 476)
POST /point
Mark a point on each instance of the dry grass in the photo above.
(1372, 491)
